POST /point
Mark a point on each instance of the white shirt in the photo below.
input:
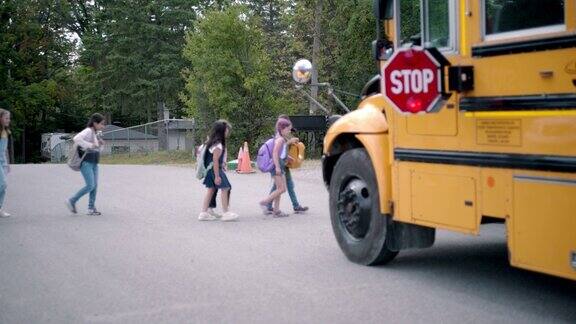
(86, 139)
(219, 146)
(215, 146)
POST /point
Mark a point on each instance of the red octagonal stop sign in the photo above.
(412, 80)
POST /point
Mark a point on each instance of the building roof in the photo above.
(184, 124)
(113, 132)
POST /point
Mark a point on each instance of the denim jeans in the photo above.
(3, 166)
(289, 188)
(89, 171)
(2, 185)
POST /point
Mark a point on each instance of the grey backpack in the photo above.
(201, 169)
(74, 158)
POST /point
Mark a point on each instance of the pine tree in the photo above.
(135, 58)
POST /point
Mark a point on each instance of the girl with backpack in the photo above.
(298, 209)
(212, 205)
(4, 161)
(216, 179)
(89, 144)
(279, 155)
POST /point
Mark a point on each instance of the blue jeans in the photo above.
(2, 185)
(289, 188)
(89, 171)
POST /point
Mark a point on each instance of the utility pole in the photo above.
(162, 136)
(316, 54)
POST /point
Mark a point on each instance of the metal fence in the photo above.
(162, 135)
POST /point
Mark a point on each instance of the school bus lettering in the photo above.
(499, 131)
(411, 81)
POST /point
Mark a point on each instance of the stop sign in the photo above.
(412, 80)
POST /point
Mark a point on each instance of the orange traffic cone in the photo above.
(239, 159)
(244, 163)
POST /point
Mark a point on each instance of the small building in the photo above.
(127, 140)
(180, 134)
(54, 146)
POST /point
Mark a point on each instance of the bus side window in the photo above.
(410, 33)
(505, 16)
(437, 20)
(431, 23)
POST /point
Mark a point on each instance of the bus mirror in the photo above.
(383, 9)
(302, 71)
(382, 49)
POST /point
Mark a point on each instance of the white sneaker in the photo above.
(214, 213)
(229, 217)
(204, 216)
(4, 214)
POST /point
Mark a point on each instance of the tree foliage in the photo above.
(134, 59)
(35, 75)
(61, 60)
(229, 74)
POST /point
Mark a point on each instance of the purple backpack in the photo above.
(264, 160)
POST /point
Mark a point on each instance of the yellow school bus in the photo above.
(497, 145)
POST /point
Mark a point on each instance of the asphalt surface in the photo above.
(148, 260)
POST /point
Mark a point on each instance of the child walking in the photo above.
(279, 155)
(89, 145)
(216, 178)
(4, 161)
(298, 209)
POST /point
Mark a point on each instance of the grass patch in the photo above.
(171, 158)
(166, 157)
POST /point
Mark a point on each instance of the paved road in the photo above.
(148, 260)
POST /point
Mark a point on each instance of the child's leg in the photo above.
(281, 185)
(225, 199)
(271, 191)
(213, 199)
(209, 193)
(280, 189)
(276, 204)
(290, 188)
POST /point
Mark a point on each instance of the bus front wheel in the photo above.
(359, 227)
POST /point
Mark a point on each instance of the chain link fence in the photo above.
(178, 137)
(163, 135)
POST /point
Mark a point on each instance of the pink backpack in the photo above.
(264, 160)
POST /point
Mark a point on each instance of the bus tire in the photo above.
(359, 227)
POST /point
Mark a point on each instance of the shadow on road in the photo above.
(482, 269)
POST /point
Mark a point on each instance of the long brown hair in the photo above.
(2, 128)
(218, 133)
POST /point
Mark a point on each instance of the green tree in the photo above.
(35, 57)
(229, 75)
(346, 33)
(133, 57)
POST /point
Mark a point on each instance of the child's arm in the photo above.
(216, 166)
(7, 159)
(278, 143)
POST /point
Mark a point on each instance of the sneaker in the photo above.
(265, 209)
(214, 213)
(300, 209)
(204, 216)
(4, 214)
(279, 213)
(93, 212)
(71, 207)
(229, 217)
